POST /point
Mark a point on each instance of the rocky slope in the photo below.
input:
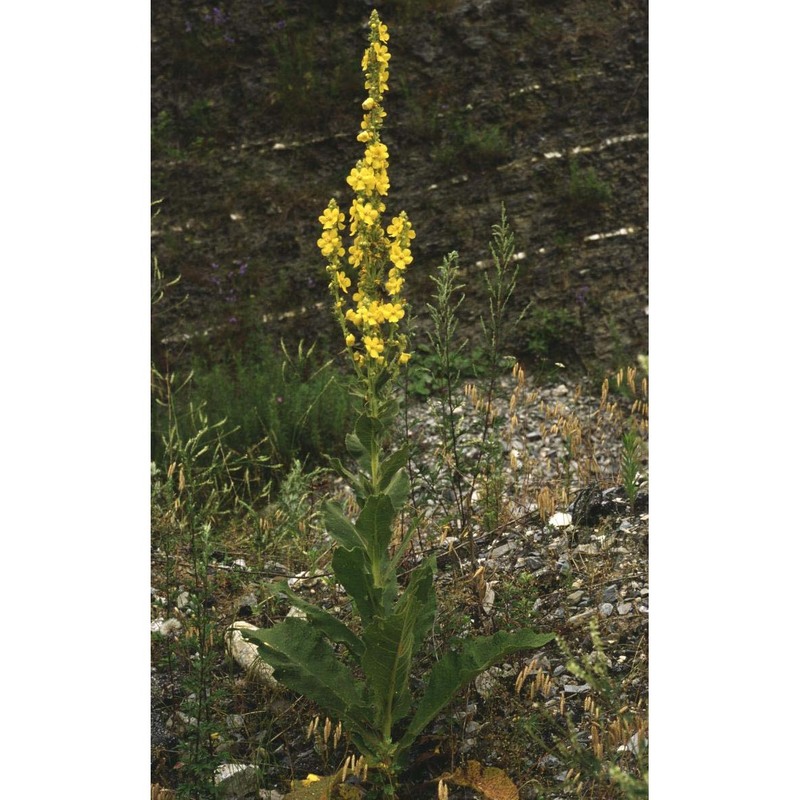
(540, 106)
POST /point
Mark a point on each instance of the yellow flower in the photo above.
(376, 155)
(343, 280)
(400, 256)
(332, 217)
(393, 312)
(394, 283)
(370, 315)
(374, 346)
(330, 243)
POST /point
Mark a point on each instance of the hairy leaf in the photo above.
(374, 526)
(305, 663)
(390, 644)
(398, 489)
(390, 466)
(332, 627)
(353, 573)
(341, 529)
(456, 669)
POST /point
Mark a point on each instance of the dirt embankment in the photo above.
(541, 106)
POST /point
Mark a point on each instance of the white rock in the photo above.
(236, 779)
(486, 684)
(246, 654)
(560, 519)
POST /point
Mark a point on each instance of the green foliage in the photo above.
(547, 333)
(271, 407)
(189, 497)
(445, 363)
(291, 515)
(631, 463)
(586, 191)
(464, 142)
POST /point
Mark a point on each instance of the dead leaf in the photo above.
(491, 782)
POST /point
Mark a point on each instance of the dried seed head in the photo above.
(631, 379)
(337, 734)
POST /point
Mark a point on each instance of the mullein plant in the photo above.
(361, 677)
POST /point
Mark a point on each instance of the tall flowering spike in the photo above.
(366, 278)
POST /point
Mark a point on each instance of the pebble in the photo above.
(606, 609)
(572, 688)
(575, 597)
(624, 608)
(610, 593)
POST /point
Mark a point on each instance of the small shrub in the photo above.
(586, 192)
(547, 334)
(464, 142)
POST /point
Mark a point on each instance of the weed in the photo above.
(615, 758)
(374, 701)
(464, 142)
(631, 464)
(272, 407)
(586, 192)
(291, 515)
(547, 334)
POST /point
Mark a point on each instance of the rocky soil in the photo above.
(585, 563)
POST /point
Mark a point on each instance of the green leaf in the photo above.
(390, 466)
(374, 526)
(341, 529)
(354, 445)
(390, 643)
(332, 627)
(353, 572)
(398, 489)
(456, 669)
(305, 663)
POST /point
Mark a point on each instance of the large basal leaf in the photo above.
(390, 643)
(305, 663)
(332, 627)
(456, 669)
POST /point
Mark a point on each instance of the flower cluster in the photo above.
(377, 259)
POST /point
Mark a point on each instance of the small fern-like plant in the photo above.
(369, 690)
